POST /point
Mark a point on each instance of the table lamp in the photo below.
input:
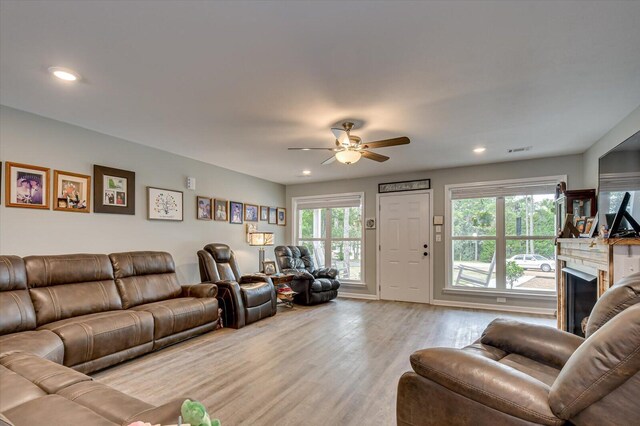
(261, 239)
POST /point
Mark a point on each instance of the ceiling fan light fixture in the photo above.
(348, 156)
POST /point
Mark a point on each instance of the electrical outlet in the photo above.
(438, 238)
(501, 300)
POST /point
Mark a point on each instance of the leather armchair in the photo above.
(244, 298)
(524, 374)
(313, 285)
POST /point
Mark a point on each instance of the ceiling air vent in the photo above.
(521, 149)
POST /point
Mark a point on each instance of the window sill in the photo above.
(352, 283)
(499, 293)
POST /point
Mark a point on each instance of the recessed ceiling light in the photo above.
(480, 150)
(305, 149)
(64, 74)
(306, 172)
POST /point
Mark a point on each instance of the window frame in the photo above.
(328, 239)
(501, 239)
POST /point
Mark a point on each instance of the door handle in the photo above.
(425, 254)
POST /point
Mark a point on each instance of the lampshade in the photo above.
(348, 156)
(261, 239)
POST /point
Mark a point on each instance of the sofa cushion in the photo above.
(176, 315)
(324, 284)
(70, 285)
(94, 336)
(145, 277)
(623, 294)
(16, 390)
(55, 410)
(15, 304)
(43, 343)
(255, 294)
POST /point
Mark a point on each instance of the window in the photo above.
(331, 227)
(501, 236)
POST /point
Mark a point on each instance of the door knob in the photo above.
(425, 254)
(425, 246)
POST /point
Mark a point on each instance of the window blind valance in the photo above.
(505, 188)
(614, 182)
(354, 200)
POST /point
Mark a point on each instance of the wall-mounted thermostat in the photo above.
(191, 183)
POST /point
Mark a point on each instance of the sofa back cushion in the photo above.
(600, 367)
(623, 294)
(294, 257)
(16, 310)
(145, 277)
(70, 285)
(223, 261)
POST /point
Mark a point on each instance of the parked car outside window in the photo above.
(534, 261)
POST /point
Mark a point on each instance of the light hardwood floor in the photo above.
(333, 364)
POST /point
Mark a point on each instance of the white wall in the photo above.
(627, 127)
(31, 139)
(570, 165)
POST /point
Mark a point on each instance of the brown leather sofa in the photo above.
(524, 374)
(245, 299)
(87, 312)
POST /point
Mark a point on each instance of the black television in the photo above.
(618, 175)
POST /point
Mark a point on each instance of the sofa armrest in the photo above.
(331, 273)
(165, 414)
(200, 290)
(299, 274)
(544, 344)
(230, 300)
(487, 382)
(255, 278)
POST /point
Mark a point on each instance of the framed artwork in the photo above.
(235, 212)
(114, 190)
(407, 185)
(264, 213)
(72, 192)
(164, 204)
(250, 213)
(269, 267)
(282, 216)
(26, 186)
(590, 227)
(273, 216)
(580, 223)
(221, 210)
(203, 208)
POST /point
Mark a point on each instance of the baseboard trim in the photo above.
(489, 307)
(357, 295)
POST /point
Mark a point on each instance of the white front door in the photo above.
(404, 232)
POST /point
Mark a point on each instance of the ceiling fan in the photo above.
(350, 148)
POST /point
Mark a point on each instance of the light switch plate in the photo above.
(438, 238)
(438, 228)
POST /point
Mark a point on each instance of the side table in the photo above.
(283, 291)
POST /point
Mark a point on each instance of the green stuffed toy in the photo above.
(195, 414)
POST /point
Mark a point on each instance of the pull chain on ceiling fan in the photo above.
(349, 148)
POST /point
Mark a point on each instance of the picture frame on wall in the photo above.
(282, 216)
(220, 210)
(72, 192)
(164, 204)
(26, 186)
(273, 216)
(203, 208)
(114, 190)
(250, 213)
(264, 213)
(235, 212)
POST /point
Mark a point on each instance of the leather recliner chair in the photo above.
(244, 299)
(312, 285)
(523, 374)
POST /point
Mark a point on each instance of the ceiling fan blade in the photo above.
(311, 149)
(403, 140)
(373, 156)
(329, 160)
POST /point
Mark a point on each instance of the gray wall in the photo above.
(627, 127)
(32, 139)
(570, 165)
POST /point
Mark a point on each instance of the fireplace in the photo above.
(581, 294)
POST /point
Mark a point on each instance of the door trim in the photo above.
(430, 225)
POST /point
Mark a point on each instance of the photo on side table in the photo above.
(26, 186)
(72, 192)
